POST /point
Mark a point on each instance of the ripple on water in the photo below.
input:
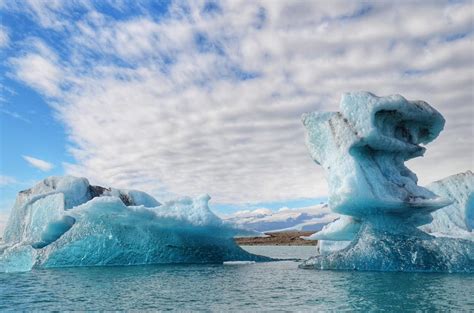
(260, 286)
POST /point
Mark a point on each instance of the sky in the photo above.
(191, 97)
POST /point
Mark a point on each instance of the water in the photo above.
(252, 287)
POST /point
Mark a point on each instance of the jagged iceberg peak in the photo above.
(65, 221)
(363, 149)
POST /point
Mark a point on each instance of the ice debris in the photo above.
(65, 221)
(385, 215)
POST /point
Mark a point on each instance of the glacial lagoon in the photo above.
(264, 286)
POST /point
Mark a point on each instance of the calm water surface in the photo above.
(263, 287)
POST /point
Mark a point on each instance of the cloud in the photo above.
(39, 164)
(45, 13)
(14, 115)
(7, 180)
(210, 102)
(39, 68)
(4, 37)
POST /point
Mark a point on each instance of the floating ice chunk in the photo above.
(363, 149)
(239, 262)
(108, 230)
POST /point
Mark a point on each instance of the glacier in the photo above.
(310, 218)
(387, 221)
(65, 221)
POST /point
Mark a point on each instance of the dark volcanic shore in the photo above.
(278, 239)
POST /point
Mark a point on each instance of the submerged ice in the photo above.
(65, 221)
(386, 217)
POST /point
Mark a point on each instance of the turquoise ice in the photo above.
(65, 221)
(363, 149)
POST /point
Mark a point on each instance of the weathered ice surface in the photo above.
(363, 149)
(455, 220)
(64, 221)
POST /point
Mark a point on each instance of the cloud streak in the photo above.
(7, 180)
(4, 37)
(209, 99)
(38, 163)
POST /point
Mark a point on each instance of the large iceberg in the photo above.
(65, 221)
(385, 215)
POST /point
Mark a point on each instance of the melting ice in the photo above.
(386, 217)
(65, 221)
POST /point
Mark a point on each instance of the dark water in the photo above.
(251, 287)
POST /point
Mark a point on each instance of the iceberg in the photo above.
(65, 221)
(455, 220)
(385, 217)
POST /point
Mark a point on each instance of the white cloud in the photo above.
(4, 37)
(45, 13)
(39, 68)
(14, 115)
(38, 163)
(161, 105)
(7, 180)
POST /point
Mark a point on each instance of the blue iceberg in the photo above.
(386, 218)
(65, 221)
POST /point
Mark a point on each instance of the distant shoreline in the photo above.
(278, 239)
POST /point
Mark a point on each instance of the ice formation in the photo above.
(363, 149)
(65, 221)
(455, 220)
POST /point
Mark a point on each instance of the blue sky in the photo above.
(184, 98)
